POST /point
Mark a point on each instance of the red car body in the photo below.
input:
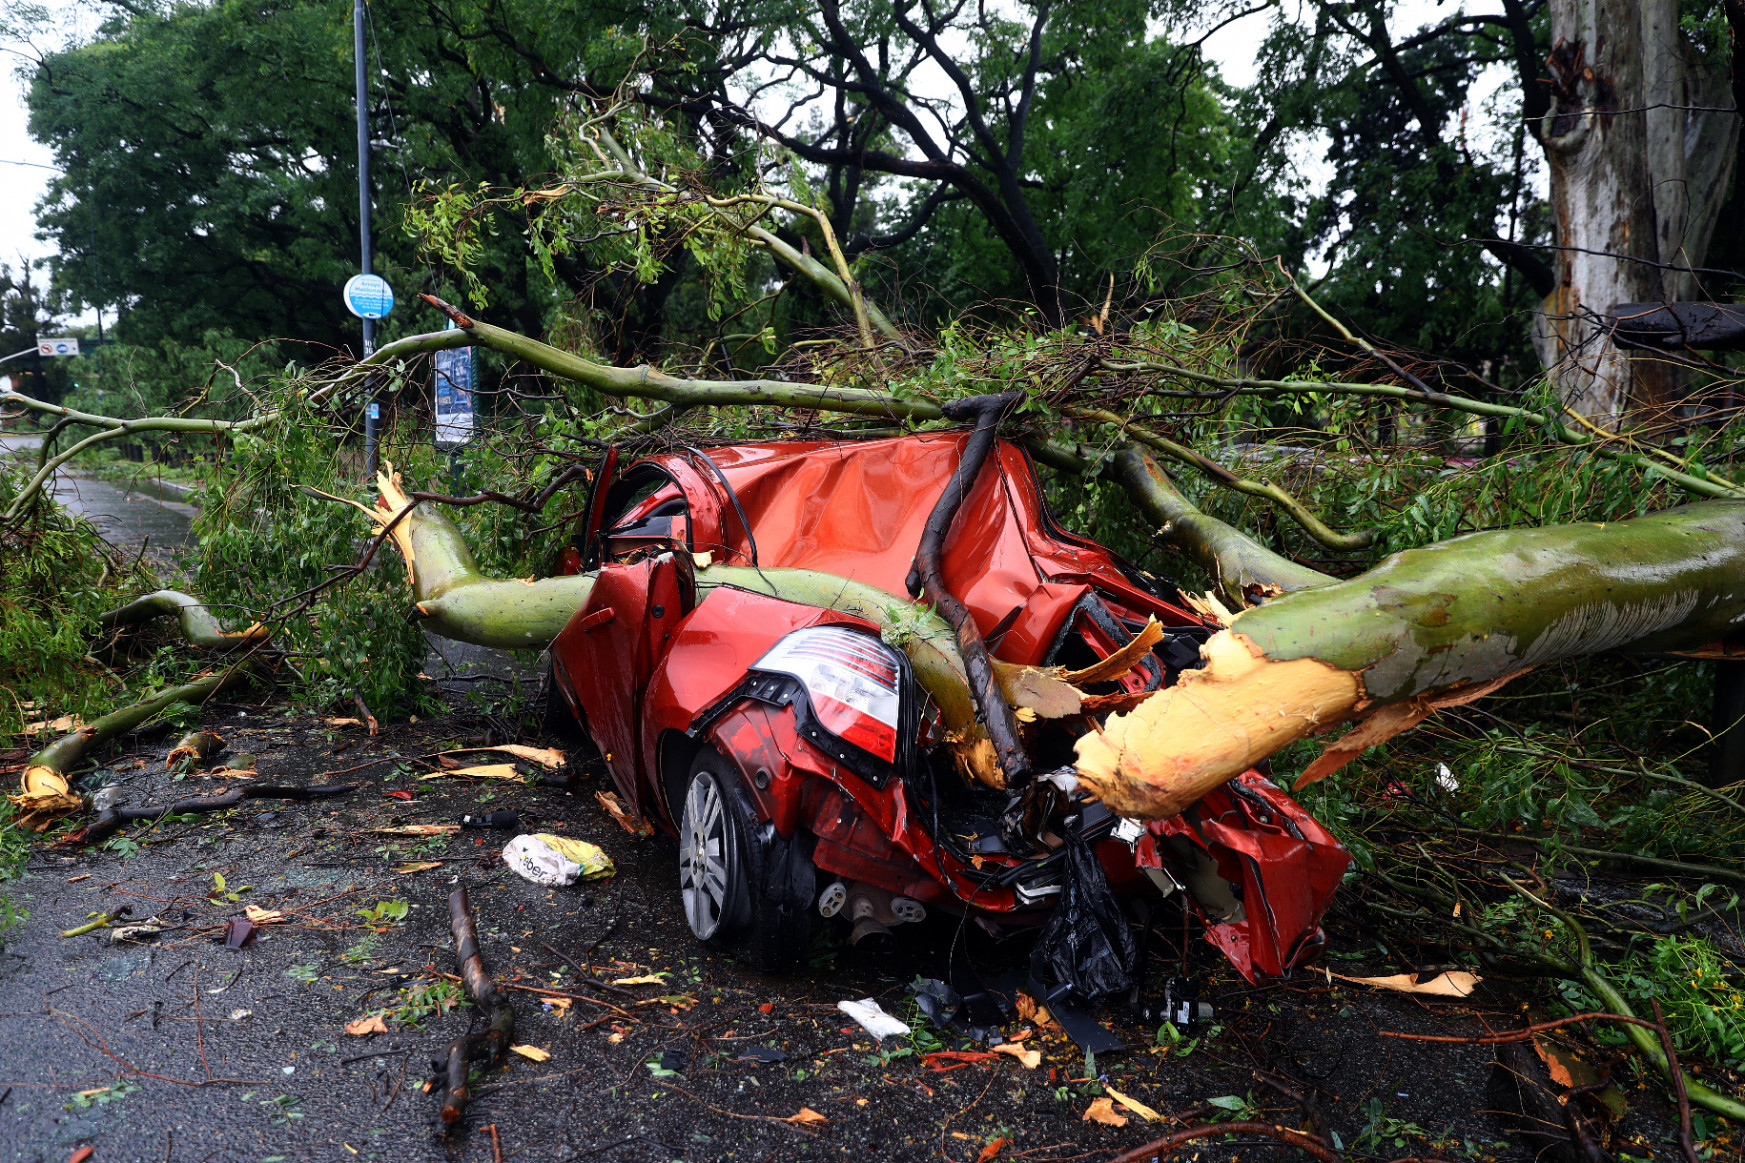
(656, 675)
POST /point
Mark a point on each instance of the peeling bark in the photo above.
(1636, 185)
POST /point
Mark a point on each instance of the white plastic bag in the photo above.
(556, 861)
(876, 1021)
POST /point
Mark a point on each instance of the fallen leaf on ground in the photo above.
(765, 1008)
(634, 824)
(993, 1149)
(60, 726)
(1452, 983)
(481, 771)
(1134, 1105)
(645, 979)
(370, 1025)
(418, 866)
(85, 1153)
(398, 794)
(1031, 1059)
(558, 1005)
(807, 1117)
(262, 916)
(533, 1053)
(416, 830)
(346, 722)
(617, 1034)
(544, 756)
(1102, 1110)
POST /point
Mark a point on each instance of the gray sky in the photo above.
(23, 185)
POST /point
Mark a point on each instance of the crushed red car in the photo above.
(799, 763)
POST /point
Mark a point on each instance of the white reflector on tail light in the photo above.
(852, 679)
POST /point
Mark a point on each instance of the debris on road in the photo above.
(98, 922)
(874, 1019)
(1450, 983)
(628, 820)
(556, 861)
(480, 771)
(491, 1044)
(195, 747)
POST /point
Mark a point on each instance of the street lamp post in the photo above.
(363, 214)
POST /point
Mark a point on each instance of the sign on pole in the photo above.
(454, 397)
(369, 296)
(57, 345)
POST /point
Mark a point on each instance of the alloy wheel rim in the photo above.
(703, 856)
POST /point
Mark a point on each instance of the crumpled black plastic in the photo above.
(1087, 944)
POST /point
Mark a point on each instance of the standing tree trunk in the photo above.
(1638, 172)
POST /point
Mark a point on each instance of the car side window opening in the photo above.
(645, 512)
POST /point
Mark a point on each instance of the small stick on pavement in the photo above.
(493, 1043)
(93, 926)
(1285, 1135)
(496, 1144)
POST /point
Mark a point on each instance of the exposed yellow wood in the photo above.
(1214, 723)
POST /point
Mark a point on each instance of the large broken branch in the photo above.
(108, 428)
(45, 793)
(1427, 628)
(1242, 569)
(647, 383)
(198, 625)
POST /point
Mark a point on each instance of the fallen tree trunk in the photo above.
(1426, 628)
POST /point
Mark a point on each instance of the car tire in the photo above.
(555, 717)
(744, 889)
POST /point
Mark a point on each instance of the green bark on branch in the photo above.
(1241, 568)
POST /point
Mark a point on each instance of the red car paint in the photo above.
(646, 667)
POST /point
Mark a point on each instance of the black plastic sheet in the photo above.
(1088, 945)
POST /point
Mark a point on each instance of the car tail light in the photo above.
(853, 680)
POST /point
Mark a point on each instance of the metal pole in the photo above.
(363, 216)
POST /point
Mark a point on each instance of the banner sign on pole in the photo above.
(454, 397)
(57, 345)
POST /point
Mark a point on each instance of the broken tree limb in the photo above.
(195, 747)
(927, 579)
(1693, 478)
(45, 795)
(1613, 999)
(198, 625)
(108, 428)
(1427, 628)
(1242, 569)
(493, 1042)
(1218, 474)
(648, 383)
(112, 820)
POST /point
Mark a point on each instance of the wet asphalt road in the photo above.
(111, 1045)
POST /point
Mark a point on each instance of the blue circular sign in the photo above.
(369, 296)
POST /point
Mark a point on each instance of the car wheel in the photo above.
(745, 889)
(555, 716)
